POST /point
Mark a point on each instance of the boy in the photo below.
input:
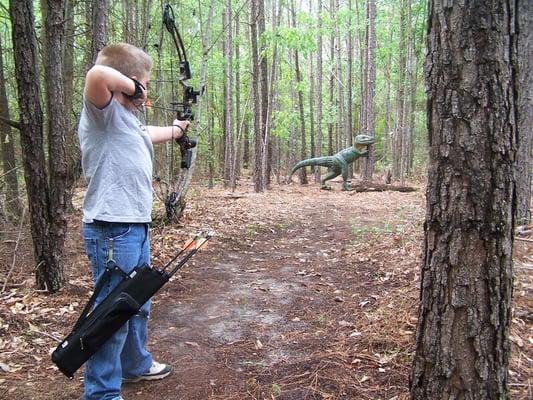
(117, 157)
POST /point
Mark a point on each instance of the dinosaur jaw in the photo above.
(362, 148)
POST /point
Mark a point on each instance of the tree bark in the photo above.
(525, 112)
(99, 28)
(57, 160)
(462, 344)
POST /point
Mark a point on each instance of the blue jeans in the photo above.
(123, 355)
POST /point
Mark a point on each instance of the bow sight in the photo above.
(182, 108)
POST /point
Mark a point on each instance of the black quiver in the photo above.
(95, 327)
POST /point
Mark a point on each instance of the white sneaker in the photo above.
(156, 371)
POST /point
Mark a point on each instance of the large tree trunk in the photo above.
(9, 166)
(462, 345)
(42, 202)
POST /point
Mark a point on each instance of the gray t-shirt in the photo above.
(117, 155)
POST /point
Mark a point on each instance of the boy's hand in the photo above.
(182, 126)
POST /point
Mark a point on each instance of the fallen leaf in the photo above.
(5, 367)
(346, 324)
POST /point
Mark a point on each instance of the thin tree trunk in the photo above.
(73, 152)
(340, 85)
(400, 100)
(408, 103)
(9, 166)
(349, 95)
(229, 152)
(319, 94)
(312, 128)
(258, 140)
(388, 137)
(145, 24)
(303, 147)
(331, 77)
(367, 164)
(525, 112)
(211, 140)
(263, 89)
(57, 160)
(237, 67)
(99, 28)
(267, 167)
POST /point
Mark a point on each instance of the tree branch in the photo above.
(9, 122)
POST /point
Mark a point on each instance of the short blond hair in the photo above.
(125, 58)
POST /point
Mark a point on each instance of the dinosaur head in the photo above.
(362, 142)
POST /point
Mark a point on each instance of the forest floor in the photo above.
(302, 294)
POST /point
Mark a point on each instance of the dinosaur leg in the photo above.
(345, 185)
(331, 174)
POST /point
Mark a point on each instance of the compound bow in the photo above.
(183, 109)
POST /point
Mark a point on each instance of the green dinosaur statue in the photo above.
(338, 163)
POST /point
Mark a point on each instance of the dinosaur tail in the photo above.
(320, 161)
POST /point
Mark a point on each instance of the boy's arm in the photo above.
(161, 134)
(102, 81)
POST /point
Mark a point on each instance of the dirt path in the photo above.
(302, 295)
